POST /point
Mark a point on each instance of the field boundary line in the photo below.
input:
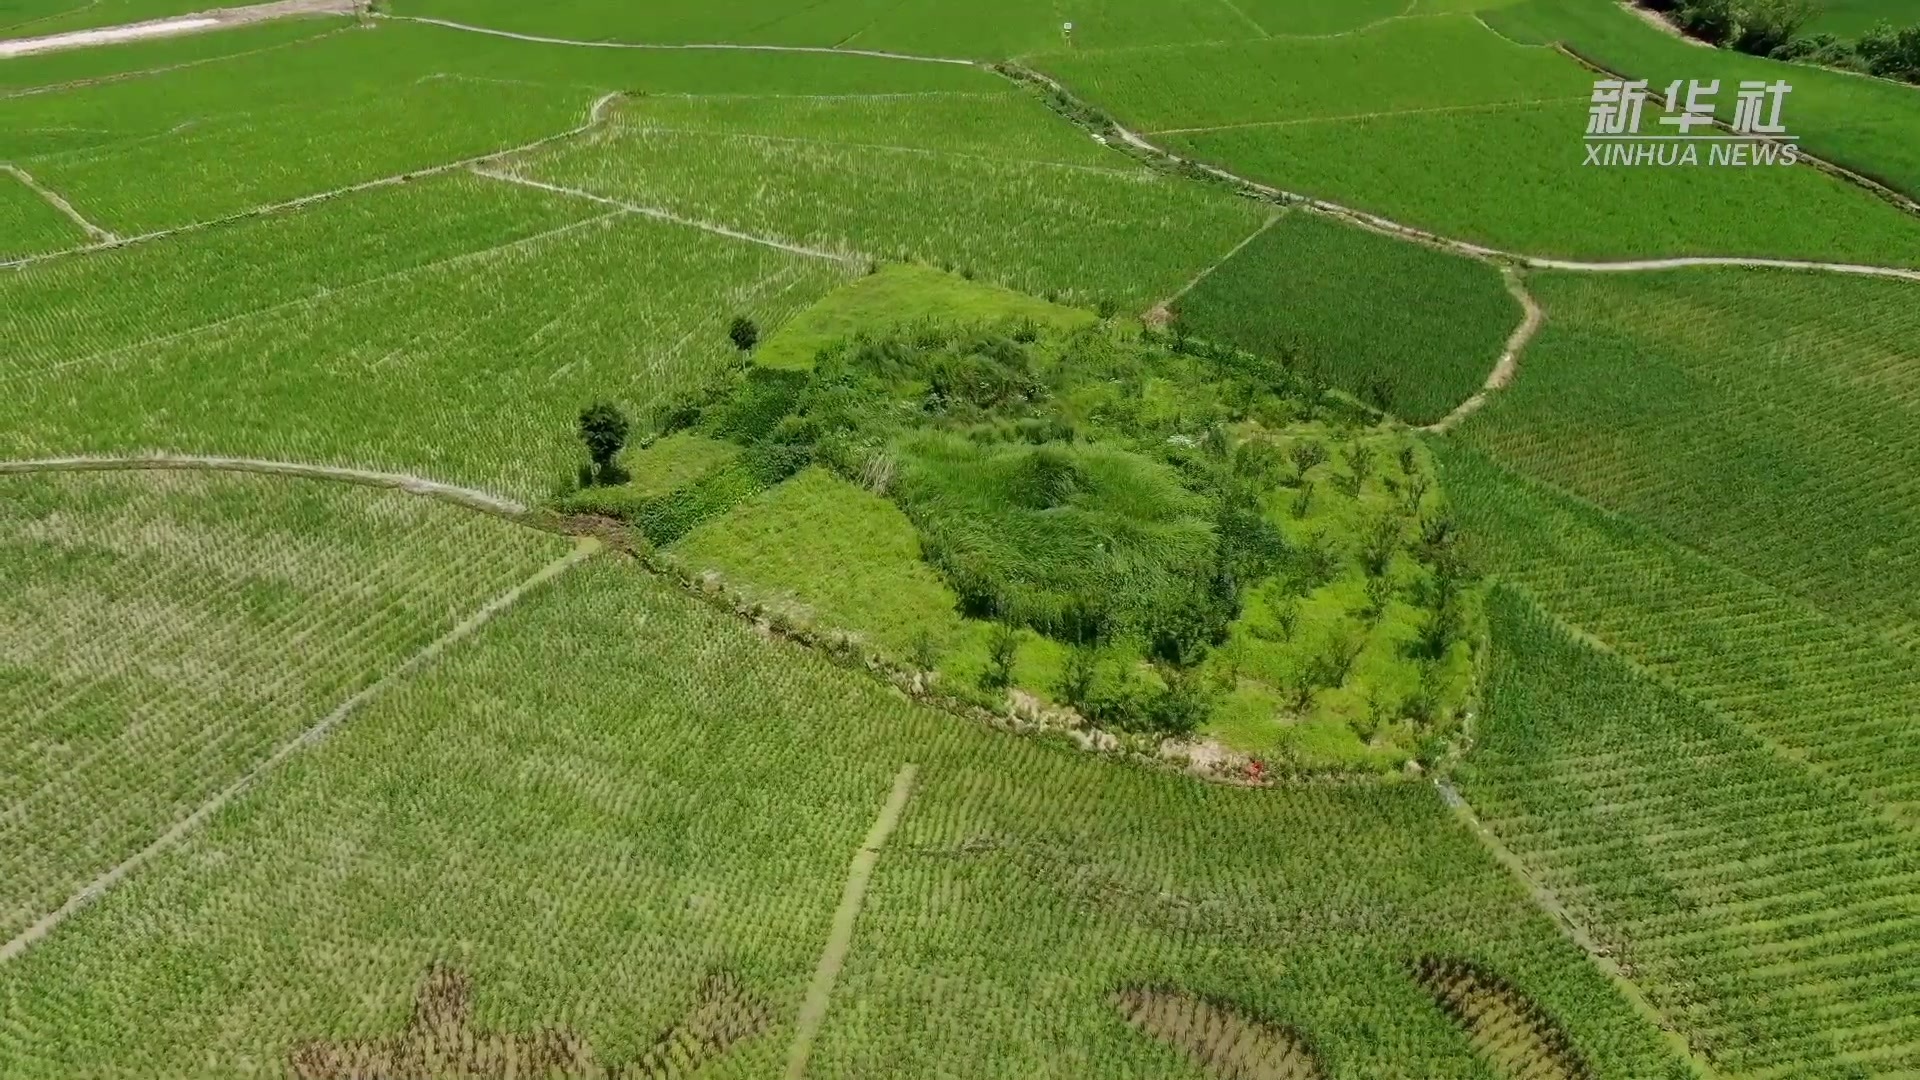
(1106, 127)
(886, 148)
(54, 200)
(696, 46)
(664, 215)
(596, 115)
(470, 498)
(1886, 192)
(1788, 753)
(302, 303)
(813, 1009)
(584, 548)
(1482, 106)
(1248, 19)
(1163, 309)
(176, 26)
(1505, 368)
(142, 73)
(1549, 901)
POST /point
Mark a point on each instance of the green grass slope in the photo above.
(899, 295)
(615, 790)
(1411, 328)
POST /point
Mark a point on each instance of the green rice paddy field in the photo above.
(1543, 703)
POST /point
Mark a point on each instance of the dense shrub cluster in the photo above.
(1772, 28)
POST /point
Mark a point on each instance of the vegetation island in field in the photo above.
(1026, 502)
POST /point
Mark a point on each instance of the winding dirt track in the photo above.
(471, 498)
(1508, 365)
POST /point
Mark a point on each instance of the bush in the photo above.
(1766, 25)
(1891, 53)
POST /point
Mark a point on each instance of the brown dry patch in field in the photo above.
(1508, 1030)
(1223, 1041)
(438, 1041)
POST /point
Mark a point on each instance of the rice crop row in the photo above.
(41, 70)
(164, 632)
(1131, 236)
(1409, 64)
(1765, 911)
(1834, 699)
(1771, 421)
(990, 29)
(1515, 179)
(1410, 329)
(29, 224)
(469, 370)
(615, 790)
(1866, 124)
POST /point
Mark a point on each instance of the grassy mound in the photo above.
(1167, 537)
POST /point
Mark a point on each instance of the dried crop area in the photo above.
(164, 632)
(614, 791)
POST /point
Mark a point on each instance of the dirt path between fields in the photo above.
(584, 548)
(470, 498)
(813, 1009)
(53, 199)
(698, 46)
(596, 115)
(1509, 363)
(199, 22)
(1549, 902)
(664, 215)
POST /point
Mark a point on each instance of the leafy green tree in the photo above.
(744, 333)
(603, 428)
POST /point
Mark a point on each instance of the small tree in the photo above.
(744, 334)
(1078, 677)
(1305, 456)
(603, 428)
(1001, 647)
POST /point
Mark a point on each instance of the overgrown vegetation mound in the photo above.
(1157, 533)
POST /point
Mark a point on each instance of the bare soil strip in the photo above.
(470, 498)
(584, 547)
(1550, 903)
(54, 200)
(217, 19)
(813, 1010)
(596, 115)
(1509, 363)
(663, 215)
(718, 46)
